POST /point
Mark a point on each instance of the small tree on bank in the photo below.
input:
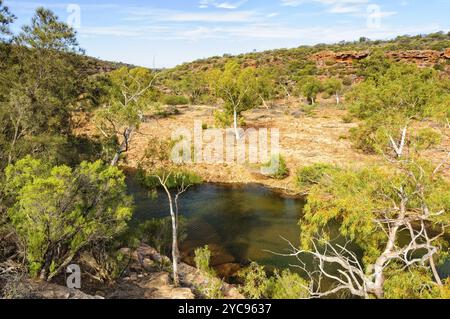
(238, 88)
(130, 95)
(334, 87)
(309, 87)
(374, 207)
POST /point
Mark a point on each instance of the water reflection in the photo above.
(239, 223)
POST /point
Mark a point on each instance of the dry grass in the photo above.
(306, 138)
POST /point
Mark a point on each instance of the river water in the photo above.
(240, 223)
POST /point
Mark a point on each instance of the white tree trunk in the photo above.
(236, 131)
(338, 98)
(123, 147)
(175, 250)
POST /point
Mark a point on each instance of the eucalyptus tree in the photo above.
(397, 214)
(130, 94)
(309, 87)
(43, 83)
(238, 88)
(390, 100)
(334, 87)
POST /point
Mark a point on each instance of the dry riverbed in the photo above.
(321, 136)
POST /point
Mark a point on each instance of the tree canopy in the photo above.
(58, 211)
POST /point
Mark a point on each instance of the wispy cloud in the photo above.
(203, 4)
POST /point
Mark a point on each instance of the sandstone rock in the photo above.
(45, 290)
(447, 53)
(329, 57)
(420, 57)
(171, 293)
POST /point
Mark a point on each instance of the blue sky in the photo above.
(166, 33)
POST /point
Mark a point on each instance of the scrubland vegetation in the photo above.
(64, 195)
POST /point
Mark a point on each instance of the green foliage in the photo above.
(238, 88)
(282, 170)
(354, 198)
(309, 87)
(47, 33)
(309, 176)
(176, 178)
(288, 285)
(202, 259)
(158, 233)
(372, 136)
(174, 100)
(223, 119)
(6, 18)
(333, 86)
(401, 89)
(390, 99)
(376, 64)
(129, 95)
(41, 79)
(58, 212)
(414, 284)
(255, 281)
(212, 289)
(426, 138)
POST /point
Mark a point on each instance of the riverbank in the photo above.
(144, 278)
(306, 138)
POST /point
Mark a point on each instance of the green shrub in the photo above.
(174, 180)
(212, 289)
(413, 284)
(347, 81)
(202, 259)
(282, 170)
(284, 285)
(223, 119)
(311, 175)
(58, 212)
(288, 285)
(309, 109)
(426, 138)
(326, 95)
(255, 281)
(157, 233)
(174, 100)
(372, 136)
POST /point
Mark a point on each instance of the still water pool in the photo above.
(240, 223)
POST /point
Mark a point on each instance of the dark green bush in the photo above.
(175, 100)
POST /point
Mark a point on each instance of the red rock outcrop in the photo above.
(420, 57)
(446, 54)
(329, 57)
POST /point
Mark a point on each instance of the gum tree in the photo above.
(309, 88)
(334, 87)
(130, 94)
(398, 215)
(238, 88)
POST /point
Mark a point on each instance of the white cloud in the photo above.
(203, 4)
